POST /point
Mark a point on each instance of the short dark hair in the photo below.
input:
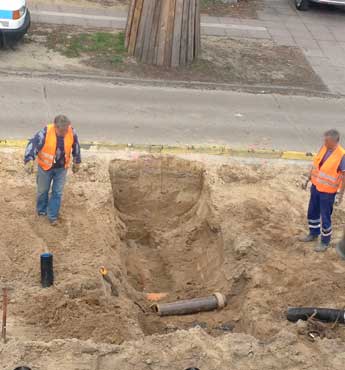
(62, 121)
(334, 134)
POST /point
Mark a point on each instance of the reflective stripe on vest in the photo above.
(327, 179)
(47, 154)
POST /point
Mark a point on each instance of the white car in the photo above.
(14, 20)
(304, 4)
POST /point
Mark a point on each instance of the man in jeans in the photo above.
(53, 147)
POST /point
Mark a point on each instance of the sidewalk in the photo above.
(319, 33)
(105, 18)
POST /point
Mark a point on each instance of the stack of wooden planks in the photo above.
(164, 32)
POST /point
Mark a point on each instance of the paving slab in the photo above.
(316, 52)
(213, 31)
(317, 61)
(238, 33)
(306, 43)
(259, 34)
(284, 40)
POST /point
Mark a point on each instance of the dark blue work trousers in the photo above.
(320, 214)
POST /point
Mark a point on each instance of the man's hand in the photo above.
(339, 198)
(29, 167)
(305, 184)
(75, 167)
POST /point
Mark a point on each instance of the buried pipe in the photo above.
(189, 306)
(323, 314)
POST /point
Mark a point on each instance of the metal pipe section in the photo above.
(323, 314)
(189, 306)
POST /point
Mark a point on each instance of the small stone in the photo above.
(226, 327)
(302, 327)
(199, 324)
(148, 361)
(243, 247)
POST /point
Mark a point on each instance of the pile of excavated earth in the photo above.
(184, 226)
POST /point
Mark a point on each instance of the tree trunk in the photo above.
(164, 32)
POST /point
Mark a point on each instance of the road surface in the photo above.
(152, 115)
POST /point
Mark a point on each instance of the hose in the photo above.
(323, 314)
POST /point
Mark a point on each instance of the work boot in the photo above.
(309, 238)
(321, 247)
(53, 222)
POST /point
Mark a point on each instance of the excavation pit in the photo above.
(172, 241)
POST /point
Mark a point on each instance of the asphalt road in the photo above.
(150, 115)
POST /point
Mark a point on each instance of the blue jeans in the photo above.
(320, 214)
(50, 205)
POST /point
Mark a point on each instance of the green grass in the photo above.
(205, 3)
(106, 44)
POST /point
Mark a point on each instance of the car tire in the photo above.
(302, 4)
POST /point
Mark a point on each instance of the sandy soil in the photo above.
(166, 224)
(32, 56)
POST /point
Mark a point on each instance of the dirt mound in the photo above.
(166, 224)
(181, 350)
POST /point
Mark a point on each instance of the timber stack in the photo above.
(164, 32)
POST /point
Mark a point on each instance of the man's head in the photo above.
(62, 124)
(331, 138)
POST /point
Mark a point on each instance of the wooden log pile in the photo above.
(164, 32)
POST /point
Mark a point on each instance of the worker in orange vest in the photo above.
(53, 146)
(326, 175)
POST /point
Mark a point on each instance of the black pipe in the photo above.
(323, 314)
(47, 272)
(22, 368)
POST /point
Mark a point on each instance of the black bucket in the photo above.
(47, 272)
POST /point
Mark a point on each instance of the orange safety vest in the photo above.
(46, 155)
(327, 178)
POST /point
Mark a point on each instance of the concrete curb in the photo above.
(197, 85)
(180, 149)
